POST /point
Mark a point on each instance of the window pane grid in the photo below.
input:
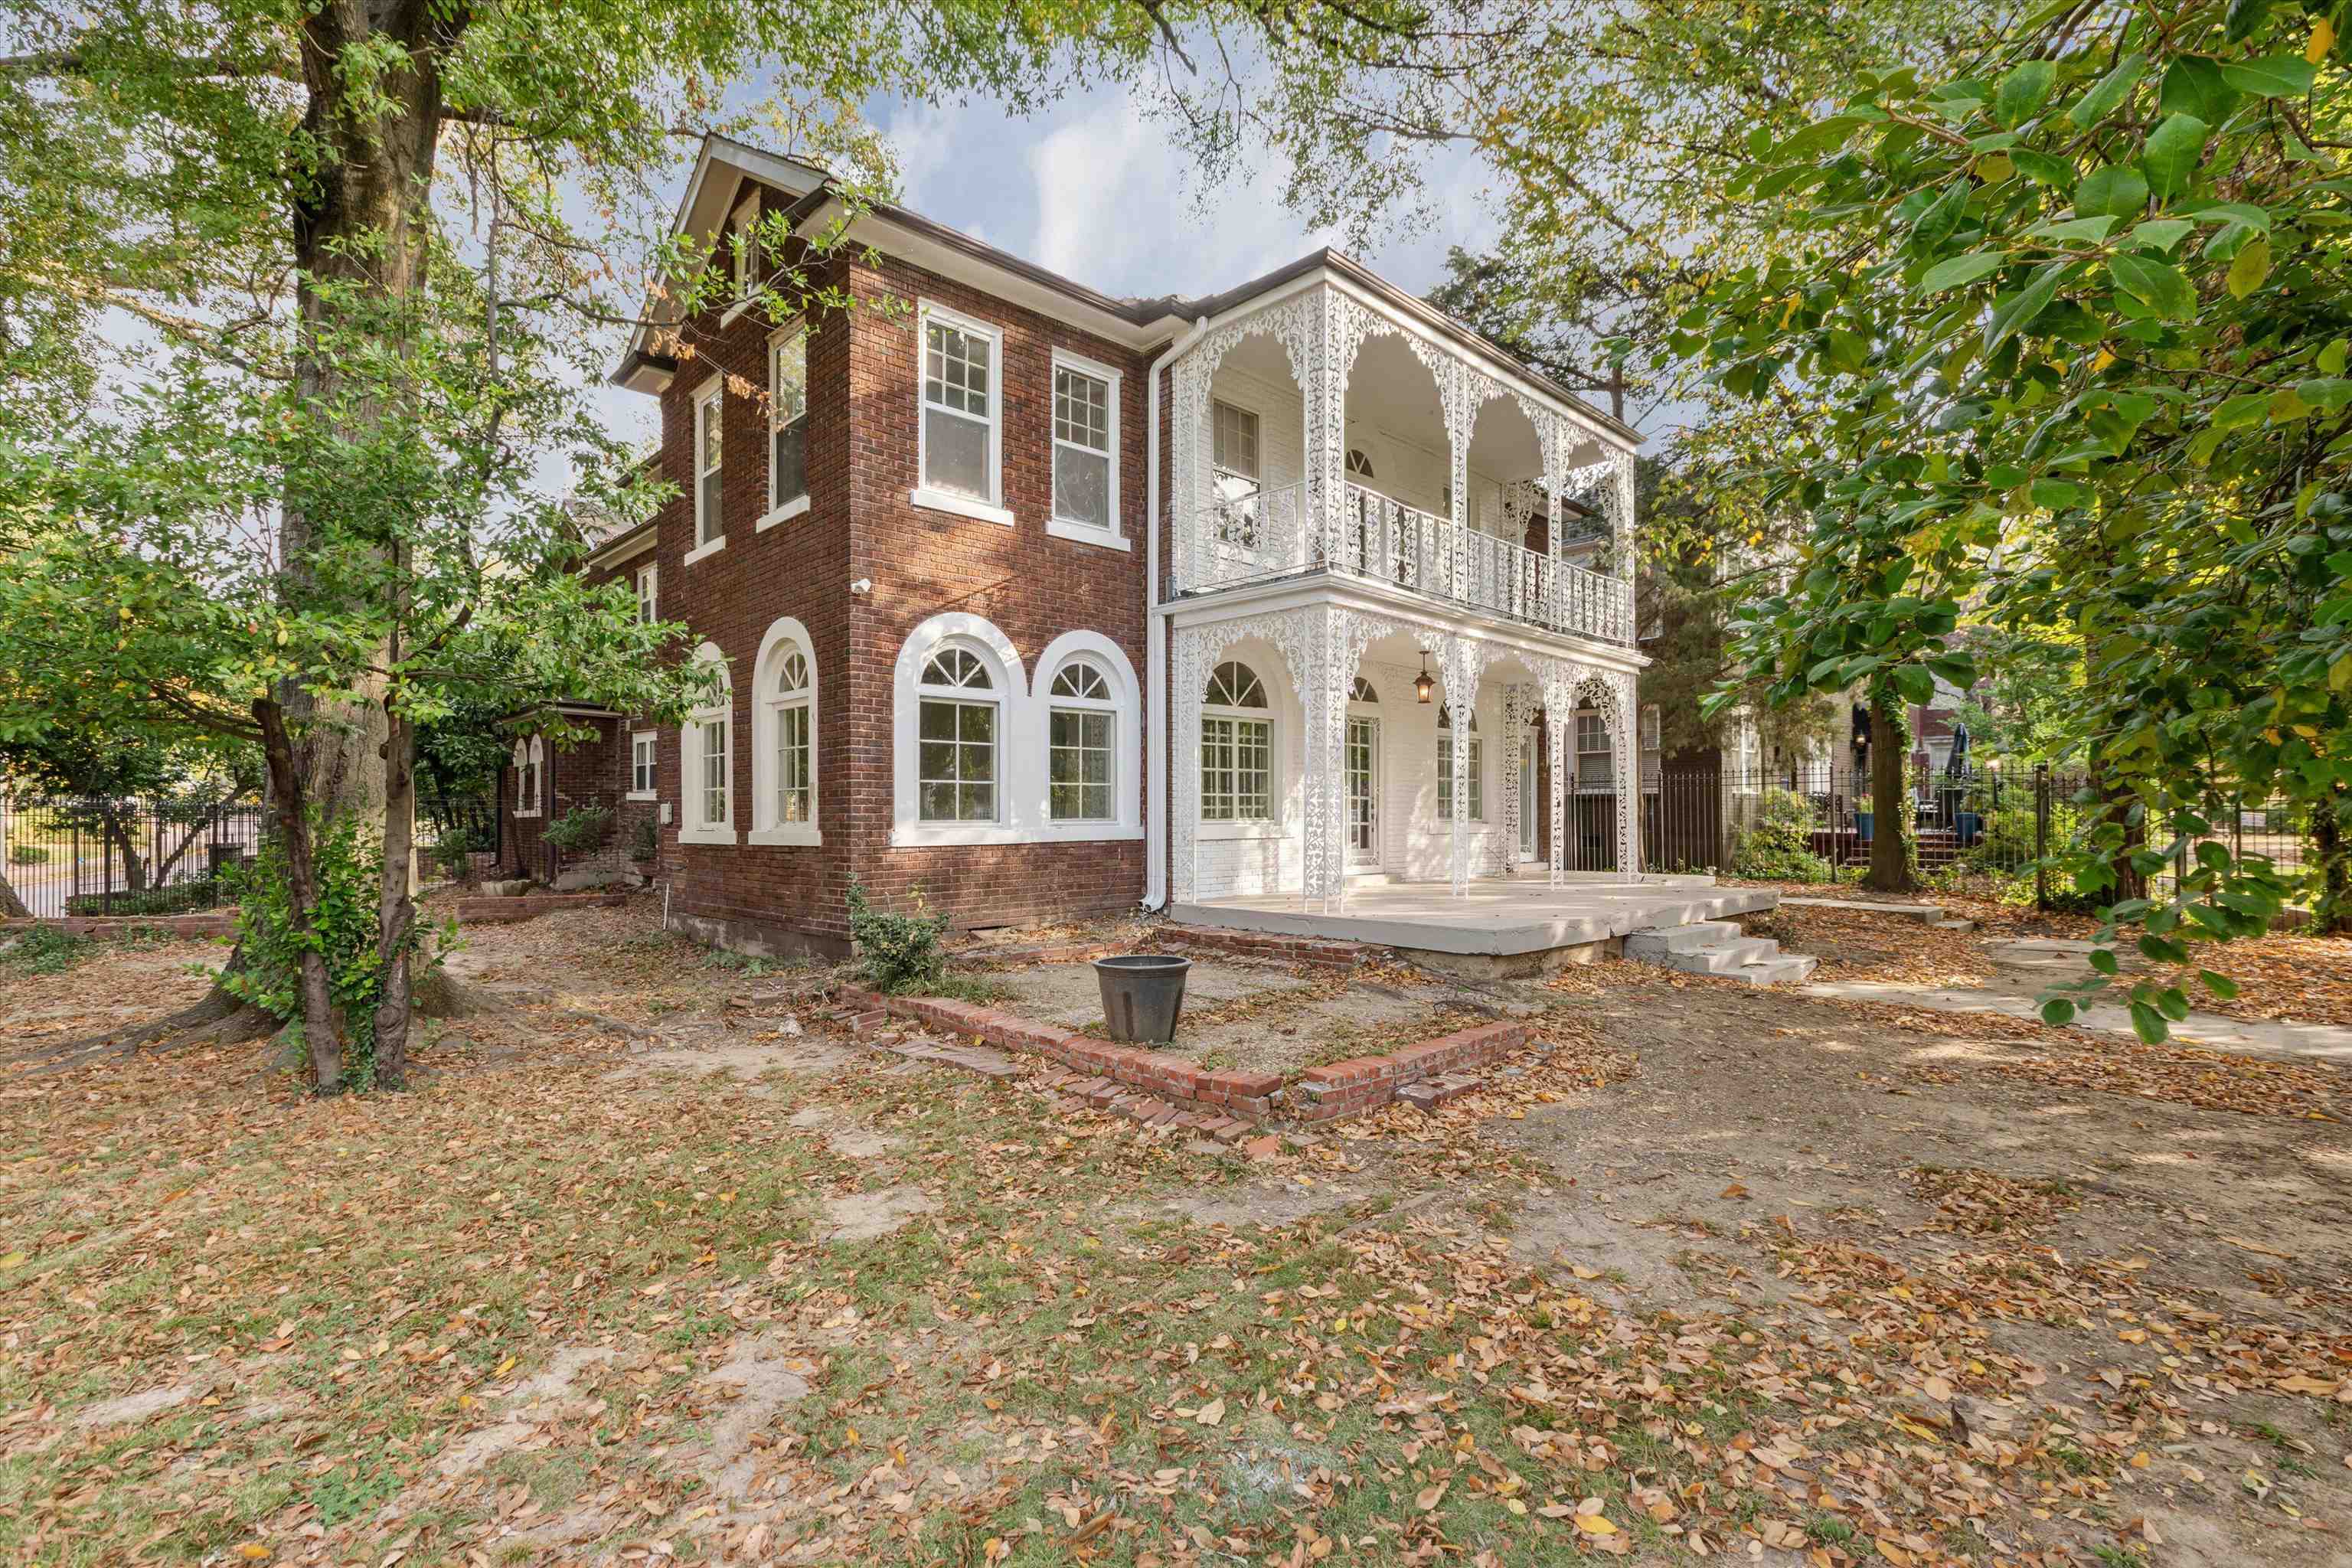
(794, 794)
(716, 811)
(1236, 770)
(1078, 764)
(956, 761)
(641, 764)
(1081, 410)
(955, 369)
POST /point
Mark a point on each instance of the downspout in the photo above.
(1155, 684)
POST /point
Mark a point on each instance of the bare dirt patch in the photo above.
(862, 1216)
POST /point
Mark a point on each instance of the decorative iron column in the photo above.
(1324, 385)
(1560, 712)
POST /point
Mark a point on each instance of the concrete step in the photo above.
(1785, 969)
(1955, 923)
(1724, 957)
(1652, 944)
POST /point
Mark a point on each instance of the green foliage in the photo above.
(43, 950)
(172, 899)
(1778, 845)
(454, 855)
(647, 842)
(348, 863)
(897, 952)
(27, 855)
(581, 828)
(2069, 331)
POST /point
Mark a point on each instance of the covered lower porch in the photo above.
(1496, 918)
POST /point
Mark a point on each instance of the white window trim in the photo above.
(785, 637)
(649, 586)
(989, 508)
(653, 739)
(1276, 825)
(1056, 525)
(784, 513)
(531, 767)
(692, 829)
(710, 394)
(1126, 821)
(784, 510)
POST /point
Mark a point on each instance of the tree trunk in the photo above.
(396, 908)
(1890, 802)
(322, 1032)
(11, 906)
(120, 834)
(2333, 914)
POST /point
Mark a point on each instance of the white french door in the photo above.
(1530, 799)
(1363, 793)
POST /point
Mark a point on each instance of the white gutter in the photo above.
(1155, 656)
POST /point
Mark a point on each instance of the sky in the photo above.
(1093, 190)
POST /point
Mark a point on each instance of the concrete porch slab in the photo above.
(1496, 918)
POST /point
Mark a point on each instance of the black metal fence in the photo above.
(1814, 823)
(89, 855)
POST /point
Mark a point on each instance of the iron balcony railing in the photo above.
(1263, 533)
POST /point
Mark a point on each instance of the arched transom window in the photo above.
(530, 776)
(1237, 747)
(958, 720)
(796, 775)
(1082, 739)
(1362, 691)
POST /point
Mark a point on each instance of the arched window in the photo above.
(958, 720)
(1360, 464)
(1477, 803)
(1237, 747)
(530, 776)
(1362, 691)
(1082, 743)
(785, 758)
(707, 753)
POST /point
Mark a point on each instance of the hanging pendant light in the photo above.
(1424, 685)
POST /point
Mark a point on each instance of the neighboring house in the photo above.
(982, 557)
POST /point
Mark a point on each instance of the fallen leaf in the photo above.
(1210, 1414)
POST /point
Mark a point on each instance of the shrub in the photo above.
(350, 871)
(27, 855)
(455, 856)
(581, 828)
(1778, 846)
(648, 840)
(899, 951)
(45, 950)
(172, 898)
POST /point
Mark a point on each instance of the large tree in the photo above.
(2077, 321)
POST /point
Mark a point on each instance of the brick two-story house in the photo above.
(1049, 603)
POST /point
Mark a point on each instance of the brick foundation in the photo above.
(1270, 945)
(1111, 1072)
(488, 910)
(215, 922)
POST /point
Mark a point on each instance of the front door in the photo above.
(1364, 792)
(1528, 798)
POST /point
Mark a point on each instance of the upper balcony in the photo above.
(1326, 431)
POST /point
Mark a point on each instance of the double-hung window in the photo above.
(1477, 786)
(1237, 747)
(1086, 433)
(960, 411)
(1595, 758)
(788, 423)
(530, 776)
(743, 238)
(1234, 441)
(649, 592)
(641, 765)
(1083, 733)
(956, 726)
(708, 527)
(716, 802)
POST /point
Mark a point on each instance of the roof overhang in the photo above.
(621, 546)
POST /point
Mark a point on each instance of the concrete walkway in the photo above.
(1498, 916)
(2029, 967)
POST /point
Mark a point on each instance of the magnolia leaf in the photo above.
(2112, 87)
(2058, 1012)
(2042, 169)
(2159, 287)
(2172, 152)
(2193, 85)
(2326, 392)
(1941, 216)
(2273, 76)
(2221, 985)
(2090, 229)
(2162, 233)
(2249, 267)
(2149, 1023)
(2118, 192)
(2243, 17)
(1956, 270)
(2244, 212)
(2023, 91)
(2017, 312)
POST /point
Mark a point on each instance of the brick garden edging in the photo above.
(1121, 1073)
(1272, 945)
(217, 922)
(483, 908)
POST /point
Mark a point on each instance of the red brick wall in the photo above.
(862, 462)
(1031, 586)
